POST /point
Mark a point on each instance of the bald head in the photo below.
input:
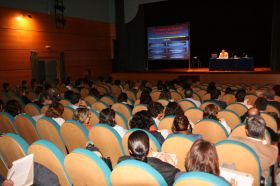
(253, 112)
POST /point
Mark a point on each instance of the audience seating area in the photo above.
(62, 149)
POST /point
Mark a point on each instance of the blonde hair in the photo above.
(81, 114)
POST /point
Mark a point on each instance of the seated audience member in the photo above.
(211, 112)
(13, 107)
(156, 110)
(143, 120)
(55, 112)
(214, 96)
(270, 95)
(76, 101)
(43, 99)
(145, 99)
(139, 146)
(188, 96)
(165, 94)
(42, 176)
(223, 54)
(122, 98)
(255, 130)
(202, 157)
(95, 93)
(256, 112)
(240, 98)
(228, 90)
(211, 86)
(68, 94)
(181, 125)
(83, 115)
(107, 116)
(1, 106)
(173, 109)
(261, 104)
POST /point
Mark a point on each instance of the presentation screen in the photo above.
(168, 42)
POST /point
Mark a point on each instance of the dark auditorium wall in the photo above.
(87, 44)
(238, 26)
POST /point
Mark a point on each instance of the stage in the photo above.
(260, 75)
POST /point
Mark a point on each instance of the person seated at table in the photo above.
(223, 54)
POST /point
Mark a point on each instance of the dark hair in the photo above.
(43, 97)
(173, 108)
(1, 105)
(165, 94)
(276, 88)
(122, 97)
(228, 90)
(270, 94)
(13, 107)
(55, 110)
(75, 98)
(255, 127)
(94, 92)
(107, 116)
(211, 87)
(181, 124)
(215, 93)
(261, 103)
(138, 145)
(141, 120)
(5, 86)
(145, 99)
(210, 112)
(188, 93)
(68, 94)
(240, 95)
(38, 90)
(155, 109)
(202, 157)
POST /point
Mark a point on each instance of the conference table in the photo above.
(240, 64)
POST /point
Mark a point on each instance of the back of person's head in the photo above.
(215, 93)
(82, 115)
(181, 124)
(68, 94)
(165, 94)
(13, 107)
(145, 99)
(6, 86)
(188, 93)
(202, 157)
(255, 127)
(141, 120)
(240, 95)
(55, 110)
(38, 90)
(1, 105)
(228, 90)
(269, 94)
(210, 112)
(155, 109)
(75, 98)
(138, 145)
(44, 98)
(261, 103)
(276, 88)
(117, 82)
(94, 92)
(211, 86)
(107, 116)
(172, 109)
(253, 112)
(122, 97)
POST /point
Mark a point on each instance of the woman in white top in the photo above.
(211, 112)
(55, 112)
(107, 116)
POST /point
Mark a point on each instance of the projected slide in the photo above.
(168, 42)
